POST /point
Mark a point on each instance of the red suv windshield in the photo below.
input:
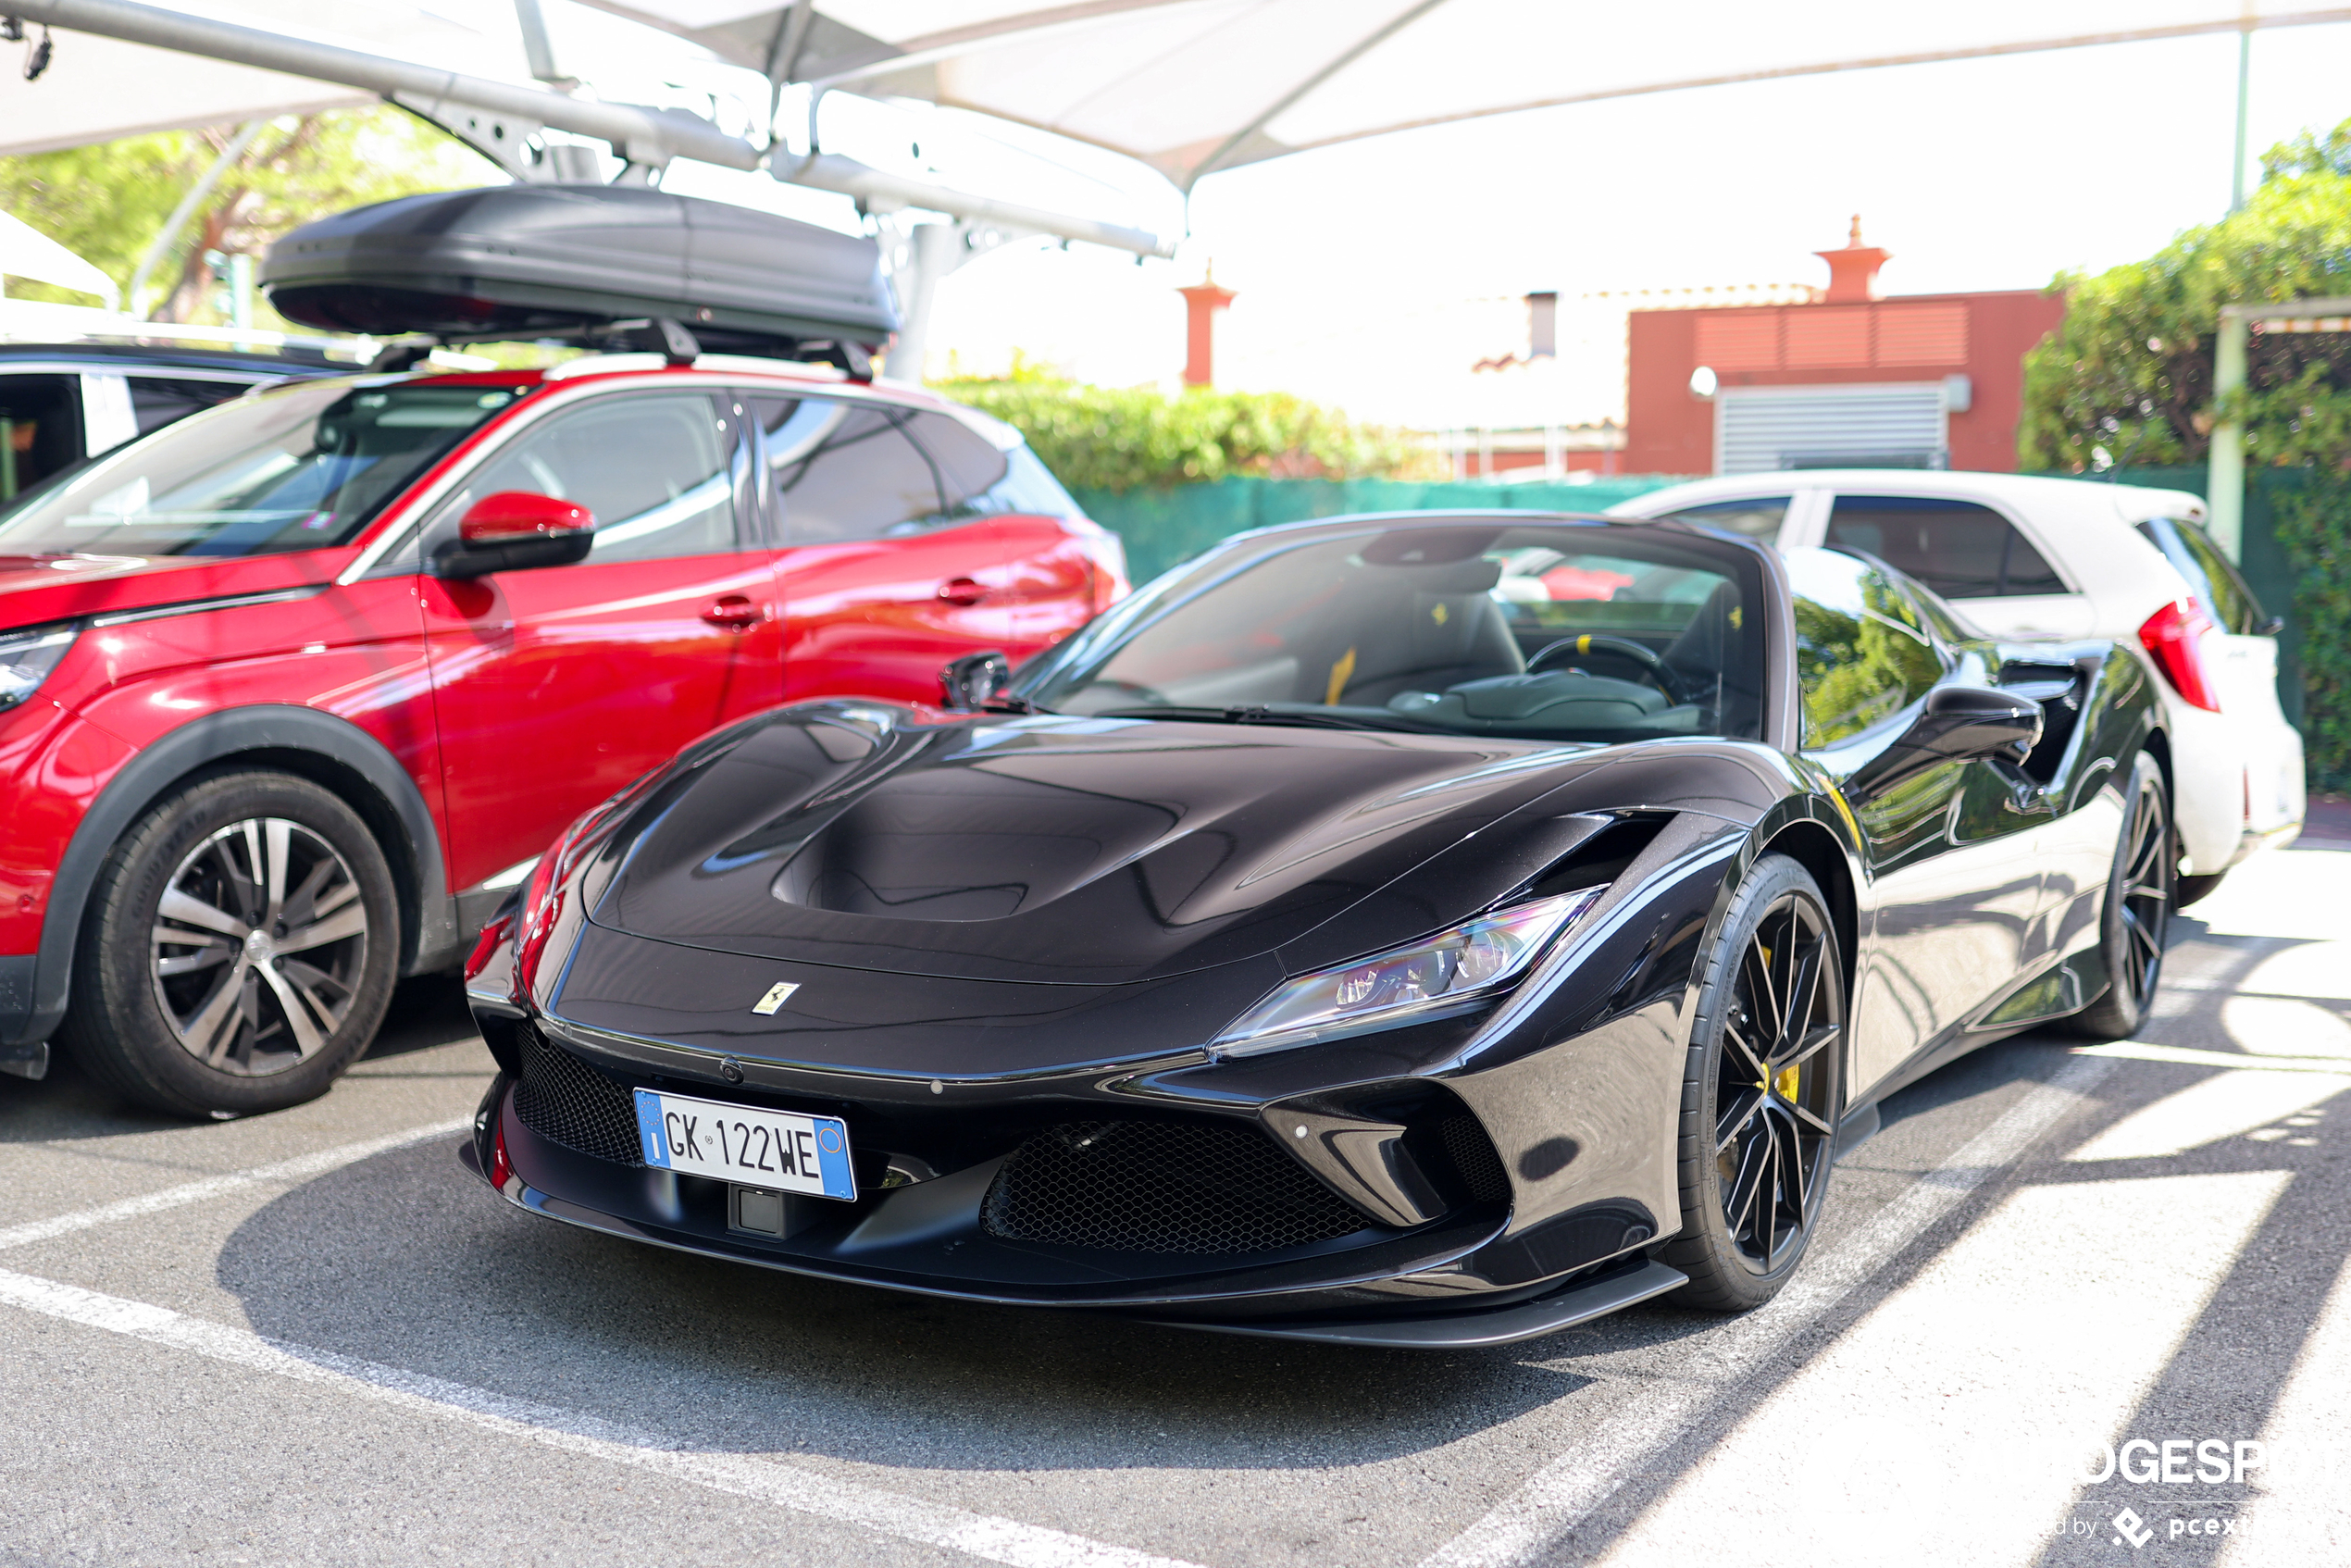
(296, 468)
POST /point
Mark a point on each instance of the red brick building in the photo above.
(1919, 381)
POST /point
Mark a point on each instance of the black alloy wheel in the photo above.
(2142, 892)
(1763, 1093)
(239, 948)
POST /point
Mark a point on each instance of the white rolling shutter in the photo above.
(1758, 429)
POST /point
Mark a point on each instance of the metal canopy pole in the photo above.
(646, 137)
(2224, 480)
(2225, 494)
(169, 233)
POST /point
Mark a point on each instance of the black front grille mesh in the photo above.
(1162, 1187)
(1473, 1155)
(564, 1099)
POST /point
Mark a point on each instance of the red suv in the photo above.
(294, 691)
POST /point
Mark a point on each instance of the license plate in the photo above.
(741, 1143)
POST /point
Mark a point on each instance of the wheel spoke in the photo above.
(350, 921)
(1729, 1123)
(189, 910)
(1813, 1044)
(1754, 1062)
(1791, 1152)
(1803, 999)
(200, 1032)
(1740, 1200)
(296, 1008)
(1767, 996)
(330, 999)
(277, 834)
(256, 859)
(192, 962)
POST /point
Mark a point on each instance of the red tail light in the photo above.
(501, 1168)
(2174, 635)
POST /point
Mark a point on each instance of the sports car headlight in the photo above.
(1448, 972)
(27, 657)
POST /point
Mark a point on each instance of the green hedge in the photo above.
(1161, 526)
(1120, 439)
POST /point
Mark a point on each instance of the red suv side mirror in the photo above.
(513, 530)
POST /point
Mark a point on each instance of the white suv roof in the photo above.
(2131, 503)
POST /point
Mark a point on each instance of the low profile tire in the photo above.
(238, 950)
(1762, 1091)
(2140, 893)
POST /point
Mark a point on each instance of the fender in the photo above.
(33, 1005)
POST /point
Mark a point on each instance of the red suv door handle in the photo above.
(734, 611)
(961, 592)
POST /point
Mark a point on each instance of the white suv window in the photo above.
(1757, 518)
(1958, 548)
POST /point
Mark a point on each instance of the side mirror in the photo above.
(1957, 723)
(973, 681)
(513, 530)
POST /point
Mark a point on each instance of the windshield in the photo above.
(296, 468)
(1551, 632)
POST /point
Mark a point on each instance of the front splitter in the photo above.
(1469, 1329)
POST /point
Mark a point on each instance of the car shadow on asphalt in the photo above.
(69, 1105)
(405, 1260)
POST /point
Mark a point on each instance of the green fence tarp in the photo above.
(1163, 526)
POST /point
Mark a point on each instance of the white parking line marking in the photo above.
(803, 1491)
(300, 1169)
(1987, 1378)
(1564, 1492)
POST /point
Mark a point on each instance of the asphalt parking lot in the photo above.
(312, 1337)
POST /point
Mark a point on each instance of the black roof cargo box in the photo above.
(527, 261)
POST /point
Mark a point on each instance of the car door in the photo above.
(1046, 582)
(1970, 554)
(555, 687)
(881, 584)
(1953, 883)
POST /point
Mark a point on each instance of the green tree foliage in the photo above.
(2127, 379)
(1126, 438)
(107, 201)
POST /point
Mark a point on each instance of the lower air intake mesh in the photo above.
(1162, 1187)
(1472, 1154)
(564, 1099)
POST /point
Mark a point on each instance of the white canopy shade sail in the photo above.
(1194, 86)
(97, 88)
(26, 252)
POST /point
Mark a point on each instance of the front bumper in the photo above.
(1327, 1297)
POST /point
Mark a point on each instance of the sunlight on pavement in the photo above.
(2229, 1105)
(2316, 970)
(2302, 1511)
(2284, 1026)
(2014, 1353)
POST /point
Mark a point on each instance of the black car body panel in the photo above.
(1018, 941)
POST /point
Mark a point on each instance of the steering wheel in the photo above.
(1624, 647)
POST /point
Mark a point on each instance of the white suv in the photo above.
(2035, 559)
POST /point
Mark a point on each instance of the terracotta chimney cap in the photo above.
(1853, 269)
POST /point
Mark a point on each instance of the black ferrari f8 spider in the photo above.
(1421, 931)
